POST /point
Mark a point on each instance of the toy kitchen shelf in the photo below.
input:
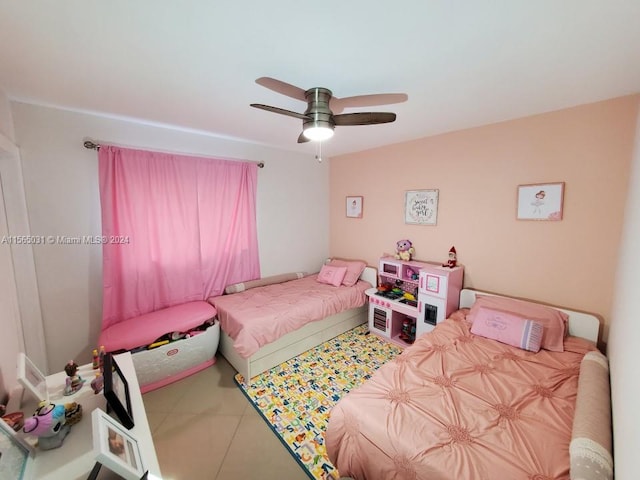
(412, 297)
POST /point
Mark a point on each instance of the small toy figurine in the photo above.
(95, 363)
(48, 423)
(404, 250)
(97, 383)
(101, 355)
(72, 413)
(73, 382)
(406, 328)
(452, 258)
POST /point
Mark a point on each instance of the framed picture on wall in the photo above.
(540, 201)
(421, 207)
(354, 207)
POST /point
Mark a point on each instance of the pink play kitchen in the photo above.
(412, 297)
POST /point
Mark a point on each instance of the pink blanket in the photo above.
(259, 316)
(456, 405)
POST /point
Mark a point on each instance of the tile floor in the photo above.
(204, 428)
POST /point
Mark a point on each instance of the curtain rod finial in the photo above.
(91, 145)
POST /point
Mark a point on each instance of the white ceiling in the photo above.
(193, 63)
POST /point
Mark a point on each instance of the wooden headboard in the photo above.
(581, 324)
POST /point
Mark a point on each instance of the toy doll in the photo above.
(452, 258)
(74, 381)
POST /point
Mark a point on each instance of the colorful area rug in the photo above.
(295, 397)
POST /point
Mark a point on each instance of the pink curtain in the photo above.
(175, 229)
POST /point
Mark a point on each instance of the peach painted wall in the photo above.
(570, 263)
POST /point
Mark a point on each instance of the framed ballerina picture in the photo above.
(354, 207)
(540, 201)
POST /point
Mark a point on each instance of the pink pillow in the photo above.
(354, 270)
(508, 328)
(332, 275)
(554, 321)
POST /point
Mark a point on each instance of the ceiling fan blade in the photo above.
(364, 118)
(281, 111)
(337, 105)
(303, 139)
(282, 87)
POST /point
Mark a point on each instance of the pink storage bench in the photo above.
(165, 364)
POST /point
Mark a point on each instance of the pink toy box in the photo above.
(161, 365)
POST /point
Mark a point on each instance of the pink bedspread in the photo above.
(459, 406)
(259, 316)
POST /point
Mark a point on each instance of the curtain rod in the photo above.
(91, 145)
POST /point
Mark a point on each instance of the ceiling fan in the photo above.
(323, 111)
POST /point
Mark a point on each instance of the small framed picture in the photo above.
(354, 207)
(32, 379)
(540, 201)
(421, 207)
(115, 447)
(15, 454)
(116, 391)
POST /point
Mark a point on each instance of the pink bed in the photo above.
(258, 316)
(457, 405)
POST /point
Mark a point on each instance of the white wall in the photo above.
(19, 304)
(624, 335)
(61, 185)
(6, 120)
(11, 340)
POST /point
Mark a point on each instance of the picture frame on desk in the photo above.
(31, 378)
(115, 447)
(15, 454)
(116, 392)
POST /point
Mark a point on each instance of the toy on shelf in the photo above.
(101, 355)
(97, 383)
(95, 363)
(72, 413)
(404, 250)
(412, 273)
(74, 381)
(408, 332)
(452, 258)
(15, 420)
(48, 423)
(409, 296)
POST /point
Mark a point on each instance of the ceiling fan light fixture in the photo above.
(317, 132)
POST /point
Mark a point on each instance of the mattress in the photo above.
(456, 405)
(259, 316)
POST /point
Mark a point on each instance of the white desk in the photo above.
(75, 458)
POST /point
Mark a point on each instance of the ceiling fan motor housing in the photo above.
(318, 110)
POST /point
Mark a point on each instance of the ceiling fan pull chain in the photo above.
(319, 152)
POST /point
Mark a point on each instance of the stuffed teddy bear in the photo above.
(404, 250)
